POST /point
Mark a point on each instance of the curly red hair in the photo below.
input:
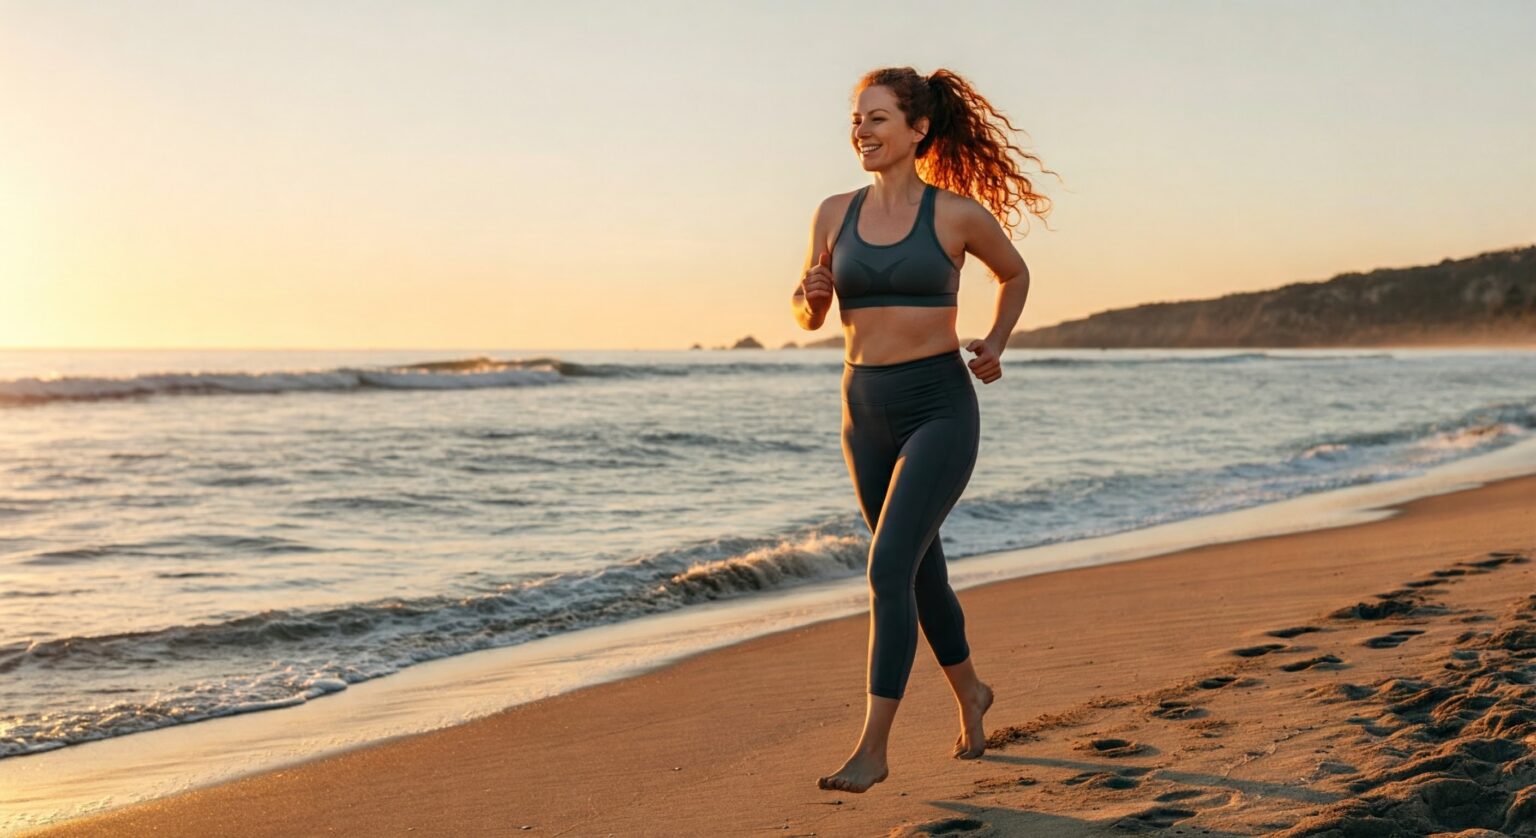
(966, 149)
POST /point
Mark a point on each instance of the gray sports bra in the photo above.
(912, 272)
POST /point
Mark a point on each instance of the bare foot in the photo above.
(972, 741)
(857, 774)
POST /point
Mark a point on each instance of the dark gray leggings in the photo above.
(910, 433)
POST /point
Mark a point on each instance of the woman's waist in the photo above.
(892, 335)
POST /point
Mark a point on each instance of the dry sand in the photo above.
(1365, 680)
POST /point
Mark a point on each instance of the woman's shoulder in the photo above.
(965, 208)
(840, 199)
(833, 207)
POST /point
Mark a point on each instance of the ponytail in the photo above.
(966, 149)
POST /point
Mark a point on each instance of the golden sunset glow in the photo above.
(414, 176)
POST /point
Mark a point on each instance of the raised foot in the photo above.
(972, 741)
(857, 775)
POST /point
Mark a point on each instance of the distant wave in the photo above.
(469, 373)
(1235, 358)
(1477, 428)
(192, 545)
(481, 372)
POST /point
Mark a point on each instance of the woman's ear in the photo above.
(921, 127)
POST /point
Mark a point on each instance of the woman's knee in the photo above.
(892, 569)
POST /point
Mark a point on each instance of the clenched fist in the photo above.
(816, 286)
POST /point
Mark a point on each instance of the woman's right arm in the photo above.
(813, 295)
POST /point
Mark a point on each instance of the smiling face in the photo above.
(880, 134)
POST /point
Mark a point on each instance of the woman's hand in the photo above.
(988, 363)
(816, 286)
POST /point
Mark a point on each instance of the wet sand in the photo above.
(1354, 680)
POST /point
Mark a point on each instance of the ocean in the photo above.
(186, 535)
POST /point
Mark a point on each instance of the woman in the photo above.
(891, 252)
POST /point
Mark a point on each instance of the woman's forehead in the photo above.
(873, 98)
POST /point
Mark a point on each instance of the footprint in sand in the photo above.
(1520, 641)
(1323, 660)
(1217, 682)
(1395, 638)
(1498, 557)
(1495, 559)
(1256, 651)
(1112, 747)
(1175, 710)
(1288, 633)
(1102, 779)
(948, 826)
(1397, 603)
(1333, 692)
(1158, 817)
(1004, 783)
(1180, 794)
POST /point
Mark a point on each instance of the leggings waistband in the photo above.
(926, 360)
(936, 377)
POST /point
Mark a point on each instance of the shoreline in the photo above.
(532, 728)
(95, 777)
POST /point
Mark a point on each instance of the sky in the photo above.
(581, 175)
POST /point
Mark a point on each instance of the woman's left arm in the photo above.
(985, 238)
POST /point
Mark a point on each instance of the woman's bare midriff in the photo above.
(892, 334)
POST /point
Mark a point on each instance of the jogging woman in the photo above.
(943, 186)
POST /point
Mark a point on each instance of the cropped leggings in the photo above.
(910, 434)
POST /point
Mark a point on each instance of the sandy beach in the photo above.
(1369, 679)
(483, 419)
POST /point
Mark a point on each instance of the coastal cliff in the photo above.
(1485, 299)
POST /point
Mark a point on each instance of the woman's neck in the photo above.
(896, 188)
